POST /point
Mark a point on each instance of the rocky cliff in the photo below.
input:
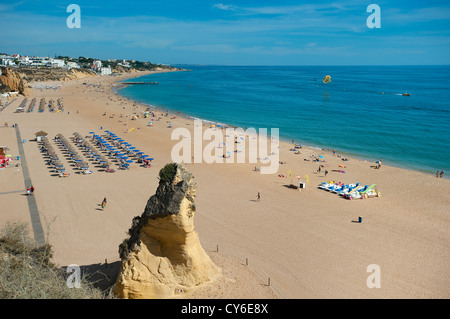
(163, 255)
(53, 74)
(12, 81)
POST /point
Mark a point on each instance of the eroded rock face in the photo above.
(11, 81)
(163, 254)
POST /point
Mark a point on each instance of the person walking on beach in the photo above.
(326, 172)
(32, 190)
(104, 203)
(437, 173)
(258, 197)
(318, 171)
(442, 173)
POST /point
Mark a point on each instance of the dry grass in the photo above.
(27, 272)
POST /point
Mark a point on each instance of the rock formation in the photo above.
(11, 81)
(163, 255)
(74, 74)
(42, 74)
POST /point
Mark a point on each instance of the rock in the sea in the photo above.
(163, 254)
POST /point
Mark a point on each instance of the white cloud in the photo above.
(226, 7)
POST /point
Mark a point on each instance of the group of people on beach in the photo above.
(320, 169)
(440, 174)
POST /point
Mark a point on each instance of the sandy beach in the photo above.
(307, 242)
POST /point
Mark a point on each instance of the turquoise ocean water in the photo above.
(361, 112)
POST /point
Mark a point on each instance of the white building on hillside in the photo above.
(105, 71)
(38, 61)
(97, 65)
(24, 60)
(56, 63)
(74, 65)
(6, 61)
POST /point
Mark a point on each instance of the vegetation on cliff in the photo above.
(27, 272)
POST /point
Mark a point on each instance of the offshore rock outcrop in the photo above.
(163, 254)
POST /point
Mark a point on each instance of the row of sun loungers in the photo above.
(76, 158)
(122, 150)
(54, 160)
(52, 107)
(91, 152)
(21, 107)
(351, 191)
(60, 104)
(31, 105)
(41, 105)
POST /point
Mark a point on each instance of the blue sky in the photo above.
(234, 32)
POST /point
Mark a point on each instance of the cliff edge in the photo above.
(12, 81)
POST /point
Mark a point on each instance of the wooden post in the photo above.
(106, 263)
(217, 248)
(268, 282)
(246, 261)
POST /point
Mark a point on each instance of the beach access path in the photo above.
(34, 212)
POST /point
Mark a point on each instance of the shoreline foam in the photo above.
(286, 140)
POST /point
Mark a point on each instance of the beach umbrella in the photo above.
(320, 156)
(132, 148)
(91, 132)
(129, 161)
(145, 156)
(125, 157)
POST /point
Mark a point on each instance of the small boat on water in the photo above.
(406, 94)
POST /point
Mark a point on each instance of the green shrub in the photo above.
(167, 172)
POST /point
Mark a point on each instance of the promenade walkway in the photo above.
(34, 213)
